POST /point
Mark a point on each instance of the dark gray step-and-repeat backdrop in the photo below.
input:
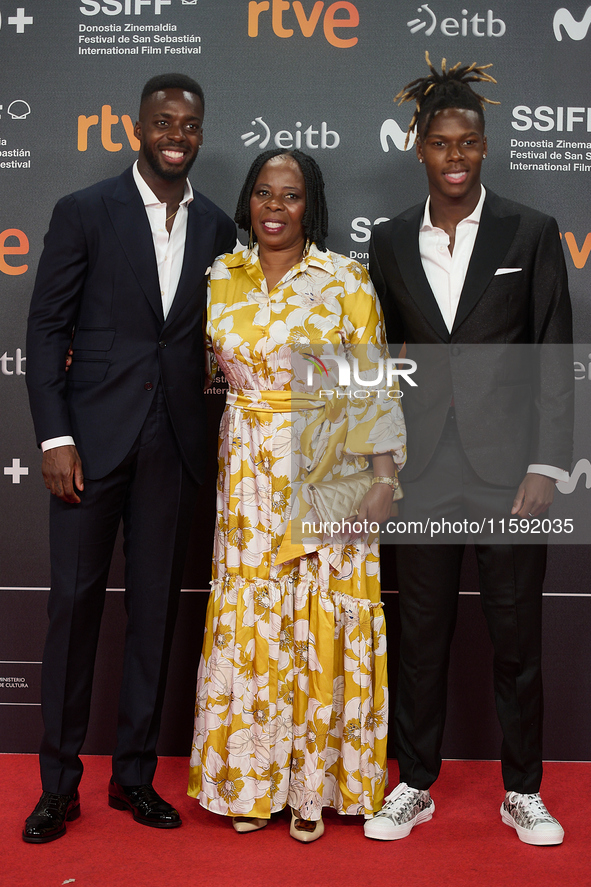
(320, 76)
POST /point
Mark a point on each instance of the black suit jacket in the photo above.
(98, 276)
(513, 405)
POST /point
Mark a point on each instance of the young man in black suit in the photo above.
(475, 278)
(123, 437)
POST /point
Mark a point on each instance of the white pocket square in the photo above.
(507, 270)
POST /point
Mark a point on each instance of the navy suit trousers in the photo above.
(153, 494)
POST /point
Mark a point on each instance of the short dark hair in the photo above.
(315, 220)
(171, 81)
(450, 89)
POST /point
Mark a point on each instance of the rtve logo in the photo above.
(579, 256)
(9, 248)
(456, 27)
(107, 121)
(575, 30)
(306, 23)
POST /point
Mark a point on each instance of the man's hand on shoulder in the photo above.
(534, 496)
(62, 473)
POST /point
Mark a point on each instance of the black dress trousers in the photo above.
(153, 494)
(511, 578)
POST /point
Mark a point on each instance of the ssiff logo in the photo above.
(329, 138)
(456, 27)
(575, 30)
(127, 7)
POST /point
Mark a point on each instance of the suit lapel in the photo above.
(495, 235)
(199, 248)
(128, 215)
(406, 249)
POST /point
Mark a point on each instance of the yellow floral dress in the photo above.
(292, 696)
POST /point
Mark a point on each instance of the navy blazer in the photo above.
(510, 410)
(98, 277)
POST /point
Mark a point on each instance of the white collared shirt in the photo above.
(169, 248)
(170, 252)
(446, 273)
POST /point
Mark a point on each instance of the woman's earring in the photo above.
(250, 240)
(306, 248)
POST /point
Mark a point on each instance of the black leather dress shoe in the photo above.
(145, 803)
(48, 820)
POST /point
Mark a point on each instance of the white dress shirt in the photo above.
(170, 252)
(169, 248)
(446, 273)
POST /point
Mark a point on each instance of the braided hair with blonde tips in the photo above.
(448, 89)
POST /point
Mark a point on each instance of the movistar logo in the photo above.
(575, 30)
(581, 469)
(391, 130)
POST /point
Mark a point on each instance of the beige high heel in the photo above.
(244, 824)
(301, 831)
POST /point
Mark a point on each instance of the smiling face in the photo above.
(278, 203)
(452, 150)
(170, 133)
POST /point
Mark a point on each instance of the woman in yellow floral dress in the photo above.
(292, 687)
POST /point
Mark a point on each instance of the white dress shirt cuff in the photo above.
(558, 474)
(53, 442)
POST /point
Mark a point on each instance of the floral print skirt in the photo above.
(292, 699)
(292, 691)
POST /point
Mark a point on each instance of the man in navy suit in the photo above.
(469, 280)
(123, 433)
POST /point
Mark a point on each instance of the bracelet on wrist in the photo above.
(392, 482)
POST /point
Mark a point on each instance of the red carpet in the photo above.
(464, 844)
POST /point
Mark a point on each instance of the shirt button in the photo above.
(148, 386)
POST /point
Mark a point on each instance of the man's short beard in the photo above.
(170, 175)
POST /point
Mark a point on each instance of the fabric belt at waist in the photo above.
(272, 401)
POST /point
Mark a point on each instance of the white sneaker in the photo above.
(528, 815)
(403, 809)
